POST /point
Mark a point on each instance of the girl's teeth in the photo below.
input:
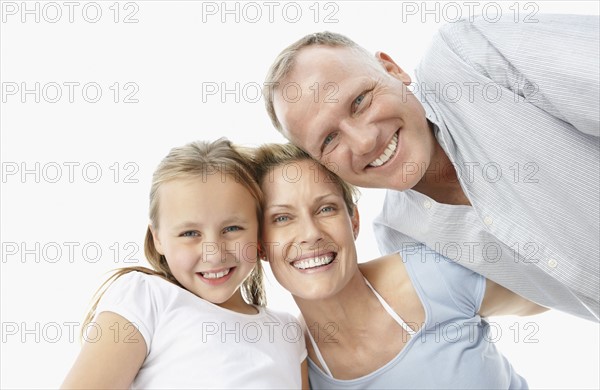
(211, 275)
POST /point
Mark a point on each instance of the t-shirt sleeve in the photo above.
(301, 350)
(293, 325)
(132, 296)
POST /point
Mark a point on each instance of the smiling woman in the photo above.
(429, 311)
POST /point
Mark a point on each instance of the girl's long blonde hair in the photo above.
(195, 160)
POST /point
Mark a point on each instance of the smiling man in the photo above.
(490, 157)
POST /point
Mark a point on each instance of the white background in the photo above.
(173, 51)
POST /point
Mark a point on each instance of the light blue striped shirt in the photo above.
(516, 107)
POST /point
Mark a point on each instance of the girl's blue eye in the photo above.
(231, 229)
(189, 234)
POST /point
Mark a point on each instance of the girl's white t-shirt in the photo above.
(192, 343)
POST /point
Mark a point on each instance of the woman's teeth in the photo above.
(314, 262)
(217, 275)
(387, 154)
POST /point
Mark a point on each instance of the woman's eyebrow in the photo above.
(318, 199)
(278, 206)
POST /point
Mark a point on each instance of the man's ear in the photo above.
(355, 222)
(155, 240)
(392, 68)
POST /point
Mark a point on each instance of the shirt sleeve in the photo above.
(132, 296)
(390, 239)
(551, 61)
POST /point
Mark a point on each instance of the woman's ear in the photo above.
(262, 254)
(392, 68)
(355, 222)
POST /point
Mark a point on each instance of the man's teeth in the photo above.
(314, 262)
(211, 275)
(388, 152)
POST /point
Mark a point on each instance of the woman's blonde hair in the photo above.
(270, 156)
(196, 160)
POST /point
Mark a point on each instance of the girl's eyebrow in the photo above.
(190, 224)
(185, 225)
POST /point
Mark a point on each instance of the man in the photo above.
(493, 161)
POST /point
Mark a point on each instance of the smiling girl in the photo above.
(197, 319)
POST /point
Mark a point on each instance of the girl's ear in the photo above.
(157, 244)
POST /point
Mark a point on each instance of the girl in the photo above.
(410, 319)
(153, 331)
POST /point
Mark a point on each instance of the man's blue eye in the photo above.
(281, 218)
(359, 99)
(328, 139)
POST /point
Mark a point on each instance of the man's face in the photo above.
(356, 117)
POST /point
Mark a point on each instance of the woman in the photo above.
(409, 319)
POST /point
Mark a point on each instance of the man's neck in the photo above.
(440, 181)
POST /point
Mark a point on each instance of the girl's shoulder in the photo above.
(137, 288)
(281, 316)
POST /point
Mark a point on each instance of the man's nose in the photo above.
(361, 138)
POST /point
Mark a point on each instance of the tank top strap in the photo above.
(318, 353)
(387, 308)
(390, 311)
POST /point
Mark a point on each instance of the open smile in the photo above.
(387, 154)
(314, 262)
(217, 276)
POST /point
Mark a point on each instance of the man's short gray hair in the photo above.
(284, 63)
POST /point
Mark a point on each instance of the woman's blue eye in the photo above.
(189, 234)
(327, 209)
(281, 218)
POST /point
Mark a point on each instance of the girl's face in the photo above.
(308, 233)
(207, 231)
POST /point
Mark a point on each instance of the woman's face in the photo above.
(308, 232)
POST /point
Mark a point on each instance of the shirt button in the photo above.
(427, 204)
(488, 220)
(552, 263)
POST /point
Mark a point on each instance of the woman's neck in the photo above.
(346, 315)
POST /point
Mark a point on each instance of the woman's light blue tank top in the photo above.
(453, 349)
